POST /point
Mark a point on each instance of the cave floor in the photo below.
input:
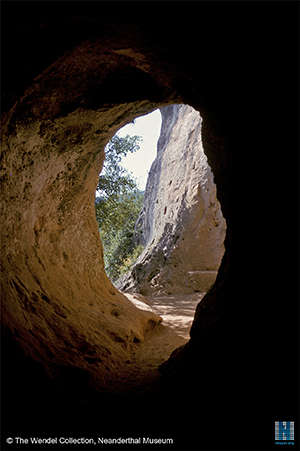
(177, 313)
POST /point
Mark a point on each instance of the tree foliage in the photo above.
(118, 204)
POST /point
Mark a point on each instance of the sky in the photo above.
(139, 163)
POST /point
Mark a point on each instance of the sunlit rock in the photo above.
(181, 224)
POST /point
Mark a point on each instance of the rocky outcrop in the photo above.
(181, 224)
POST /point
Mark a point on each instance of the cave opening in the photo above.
(178, 228)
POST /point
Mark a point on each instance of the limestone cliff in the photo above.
(181, 224)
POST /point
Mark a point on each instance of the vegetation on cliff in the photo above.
(118, 204)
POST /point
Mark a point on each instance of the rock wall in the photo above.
(58, 306)
(57, 301)
(60, 313)
(181, 224)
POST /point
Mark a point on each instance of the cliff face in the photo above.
(181, 224)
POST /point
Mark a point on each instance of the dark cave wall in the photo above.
(56, 294)
(52, 141)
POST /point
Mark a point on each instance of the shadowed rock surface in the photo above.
(59, 308)
(181, 224)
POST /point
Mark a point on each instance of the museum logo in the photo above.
(284, 432)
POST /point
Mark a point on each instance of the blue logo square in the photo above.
(284, 431)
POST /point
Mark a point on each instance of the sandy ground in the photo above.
(177, 313)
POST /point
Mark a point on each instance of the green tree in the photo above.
(118, 204)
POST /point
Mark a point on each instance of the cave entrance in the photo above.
(166, 252)
(59, 305)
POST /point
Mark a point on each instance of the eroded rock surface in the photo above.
(58, 306)
(181, 224)
(57, 301)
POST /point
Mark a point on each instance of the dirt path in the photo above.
(177, 313)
